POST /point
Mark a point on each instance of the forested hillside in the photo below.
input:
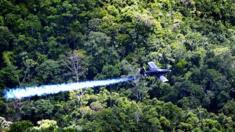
(110, 39)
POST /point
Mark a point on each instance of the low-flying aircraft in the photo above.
(153, 70)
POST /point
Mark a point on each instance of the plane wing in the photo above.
(163, 78)
(152, 66)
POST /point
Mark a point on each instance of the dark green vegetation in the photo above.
(195, 38)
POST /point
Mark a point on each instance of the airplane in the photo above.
(155, 71)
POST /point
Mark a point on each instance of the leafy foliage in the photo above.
(56, 41)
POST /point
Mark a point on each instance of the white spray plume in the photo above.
(19, 93)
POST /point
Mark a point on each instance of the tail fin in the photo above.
(142, 71)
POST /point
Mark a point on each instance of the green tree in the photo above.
(20, 126)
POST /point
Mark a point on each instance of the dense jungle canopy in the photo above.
(110, 39)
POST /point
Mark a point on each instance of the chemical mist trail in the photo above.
(19, 93)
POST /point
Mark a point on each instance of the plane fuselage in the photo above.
(157, 73)
(153, 70)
